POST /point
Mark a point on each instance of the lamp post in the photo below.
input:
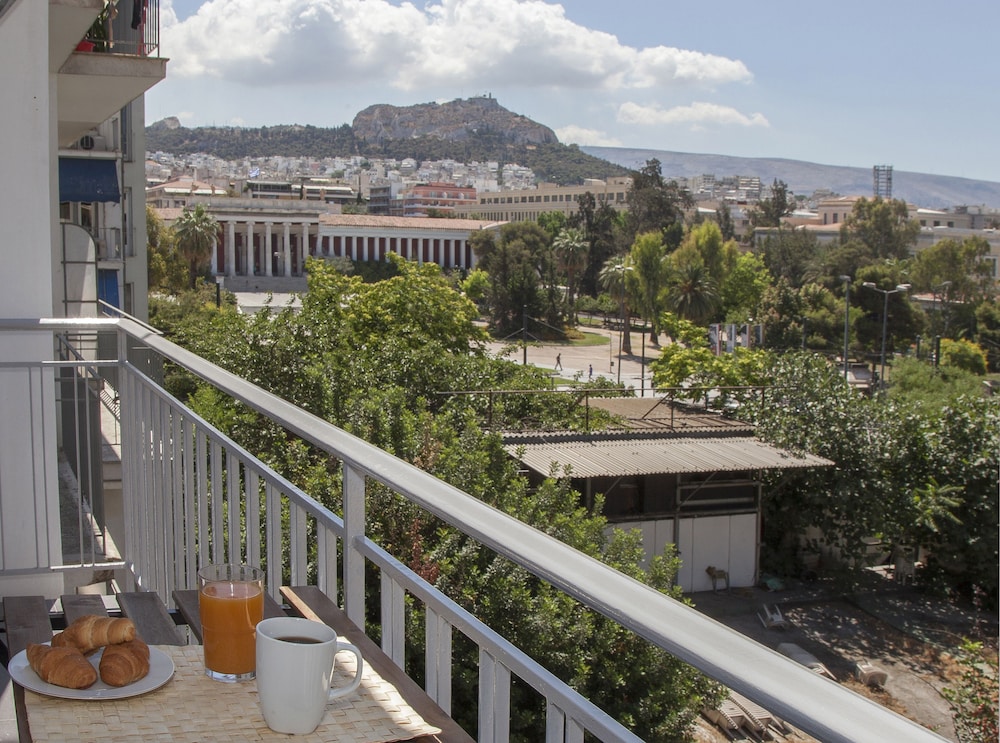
(847, 318)
(885, 319)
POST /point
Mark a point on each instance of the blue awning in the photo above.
(87, 179)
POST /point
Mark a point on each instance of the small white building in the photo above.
(681, 476)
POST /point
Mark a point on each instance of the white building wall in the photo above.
(29, 524)
(727, 542)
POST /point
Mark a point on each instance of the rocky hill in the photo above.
(477, 129)
(922, 189)
(455, 121)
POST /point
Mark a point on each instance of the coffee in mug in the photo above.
(295, 663)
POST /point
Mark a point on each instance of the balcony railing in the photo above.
(193, 496)
(128, 28)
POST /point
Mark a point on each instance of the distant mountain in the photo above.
(455, 121)
(476, 129)
(922, 189)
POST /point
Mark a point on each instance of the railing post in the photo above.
(354, 531)
(494, 699)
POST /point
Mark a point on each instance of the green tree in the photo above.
(964, 355)
(988, 332)
(691, 293)
(653, 202)
(790, 254)
(571, 249)
(959, 277)
(517, 263)
(704, 244)
(601, 226)
(196, 231)
(476, 285)
(771, 210)
(649, 270)
(724, 218)
(743, 288)
(883, 226)
(612, 280)
(552, 222)
(166, 270)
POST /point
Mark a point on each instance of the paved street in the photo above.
(578, 360)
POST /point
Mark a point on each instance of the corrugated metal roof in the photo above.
(651, 456)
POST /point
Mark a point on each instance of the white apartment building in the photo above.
(65, 226)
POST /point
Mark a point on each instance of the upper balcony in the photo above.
(122, 63)
(190, 496)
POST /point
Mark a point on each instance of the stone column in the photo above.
(248, 265)
(215, 256)
(304, 249)
(230, 268)
(286, 248)
(267, 250)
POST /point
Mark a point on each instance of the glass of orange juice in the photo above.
(231, 603)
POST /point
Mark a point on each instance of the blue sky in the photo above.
(912, 85)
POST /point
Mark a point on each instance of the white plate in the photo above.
(161, 669)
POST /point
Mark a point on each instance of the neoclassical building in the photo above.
(261, 239)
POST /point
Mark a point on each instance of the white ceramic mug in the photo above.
(295, 661)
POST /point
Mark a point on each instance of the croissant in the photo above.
(90, 632)
(65, 667)
(124, 663)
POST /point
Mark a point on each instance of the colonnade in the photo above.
(447, 252)
(248, 250)
(279, 248)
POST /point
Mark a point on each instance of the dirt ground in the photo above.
(897, 629)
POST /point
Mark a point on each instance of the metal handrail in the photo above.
(816, 705)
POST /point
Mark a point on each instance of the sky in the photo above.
(878, 82)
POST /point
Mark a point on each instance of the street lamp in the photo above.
(847, 318)
(885, 318)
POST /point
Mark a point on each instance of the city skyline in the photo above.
(782, 81)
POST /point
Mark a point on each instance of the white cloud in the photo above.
(573, 134)
(476, 44)
(697, 114)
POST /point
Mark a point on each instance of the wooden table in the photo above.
(28, 619)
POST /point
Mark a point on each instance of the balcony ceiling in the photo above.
(68, 23)
(93, 86)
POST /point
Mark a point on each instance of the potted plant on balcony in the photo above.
(98, 38)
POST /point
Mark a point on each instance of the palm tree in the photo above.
(612, 279)
(692, 294)
(571, 246)
(196, 232)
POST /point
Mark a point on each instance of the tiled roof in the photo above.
(404, 223)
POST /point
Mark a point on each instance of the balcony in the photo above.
(190, 496)
(94, 85)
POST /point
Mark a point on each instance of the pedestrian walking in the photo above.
(559, 361)
(590, 372)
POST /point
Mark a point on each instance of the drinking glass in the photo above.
(231, 603)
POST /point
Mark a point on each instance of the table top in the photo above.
(28, 619)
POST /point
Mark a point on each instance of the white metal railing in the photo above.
(193, 496)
